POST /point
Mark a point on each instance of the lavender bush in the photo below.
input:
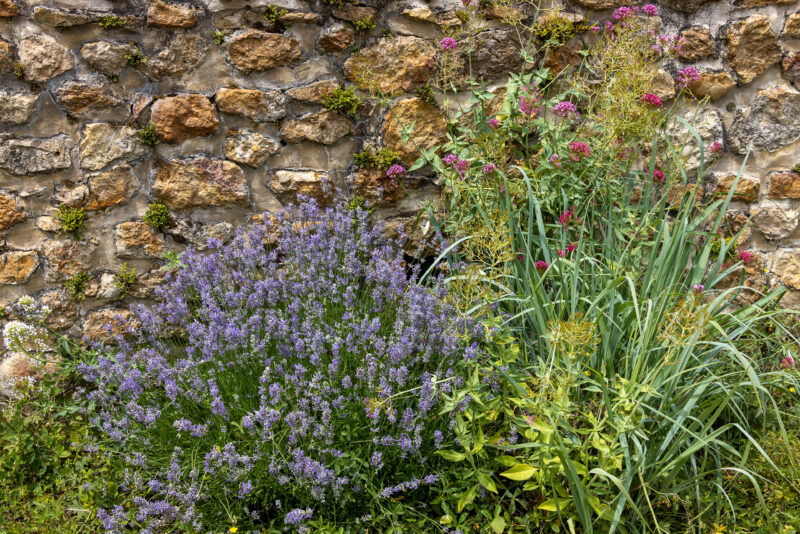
(302, 384)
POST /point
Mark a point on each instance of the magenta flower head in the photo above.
(450, 159)
(595, 29)
(698, 288)
(494, 123)
(746, 256)
(395, 171)
(448, 43)
(787, 362)
(529, 101)
(578, 150)
(650, 9)
(555, 160)
(687, 77)
(715, 148)
(572, 247)
(658, 176)
(542, 265)
(562, 253)
(489, 168)
(622, 13)
(565, 109)
(652, 100)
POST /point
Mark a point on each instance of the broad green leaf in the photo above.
(498, 525)
(550, 504)
(519, 472)
(467, 497)
(487, 482)
(453, 456)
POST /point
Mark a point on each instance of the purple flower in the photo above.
(622, 13)
(650, 9)
(578, 150)
(555, 160)
(450, 159)
(489, 168)
(542, 265)
(448, 43)
(494, 123)
(395, 171)
(698, 288)
(652, 100)
(565, 109)
(687, 77)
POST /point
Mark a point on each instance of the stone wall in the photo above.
(236, 100)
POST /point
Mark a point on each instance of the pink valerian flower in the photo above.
(698, 288)
(578, 150)
(687, 77)
(658, 176)
(462, 166)
(650, 9)
(555, 160)
(622, 13)
(595, 29)
(568, 217)
(652, 100)
(529, 100)
(566, 109)
(715, 148)
(494, 123)
(745, 256)
(787, 362)
(542, 265)
(450, 159)
(572, 247)
(448, 43)
(609, 26)
(489, 168)
(562, 253)
(395, 171)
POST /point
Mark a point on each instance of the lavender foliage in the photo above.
(275, 384)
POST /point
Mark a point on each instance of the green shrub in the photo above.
(273, 14)
(425, 92)
(148, 135)
(157, 215)
(51, 475)
(77, 286)
(136, 58)
(219, 37)
(125, 279)
(362, 25)
(110, 22)
(19, 70)
(72, 220)
(343, 100)
(381, 159)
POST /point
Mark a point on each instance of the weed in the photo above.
(157, 215)
(343, 100)
(110, 22)
(77, 286)
(72, 220)
(379, 159)
(148, 135)
(125, 279)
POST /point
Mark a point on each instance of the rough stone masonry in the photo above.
(236, 100)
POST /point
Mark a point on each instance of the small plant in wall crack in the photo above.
(157, 215)
(273, 14)
(125, 279)
(110, 22)
(379, 159)
(135, 58)
(72, 220)
(219, 37)
(363, 25)
(76, 285)
(148, 135)
(343, 100)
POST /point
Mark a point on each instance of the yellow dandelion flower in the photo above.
(791, 390)
(233, 530)
(588, 373)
